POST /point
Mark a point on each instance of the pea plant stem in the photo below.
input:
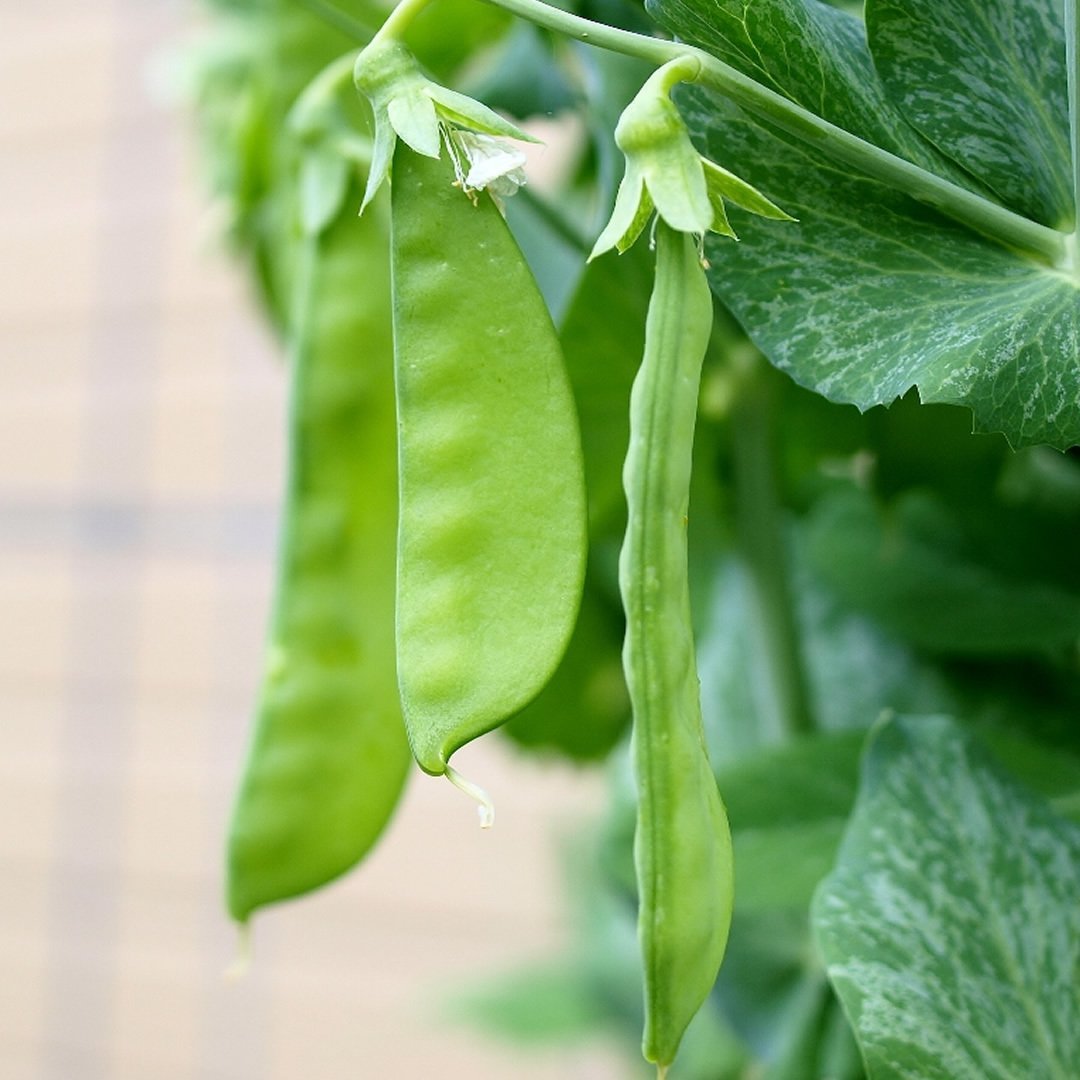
(985, 217)
(761, 542)
(399, 19)
(1072, 65)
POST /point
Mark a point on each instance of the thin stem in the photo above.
(349, 25)
(1072, 67)
(397, 22)
(760, 531)
(985, 217)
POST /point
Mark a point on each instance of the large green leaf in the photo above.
(984, 80)
(950, 926)
(870, 294)
(813, 54)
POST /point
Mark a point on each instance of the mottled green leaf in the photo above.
(950, 926)
(810, 53)
(984, 80)
(870, 294)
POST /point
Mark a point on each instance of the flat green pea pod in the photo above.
(329, 754)
(492, 530)
(682, 846)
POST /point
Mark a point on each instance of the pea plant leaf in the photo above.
(870, 293)
(956, 951)
(815, 55)
(985, 82)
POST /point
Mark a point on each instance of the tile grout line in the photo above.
(84, 898)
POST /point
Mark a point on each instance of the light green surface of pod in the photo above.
(492, 531)
(682, 846)
(329, 753)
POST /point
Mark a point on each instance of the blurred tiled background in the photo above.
(141, 455)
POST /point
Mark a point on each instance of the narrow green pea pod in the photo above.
(329, 754)
(492, 532)
(682, 846)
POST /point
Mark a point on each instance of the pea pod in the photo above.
(682, 846)
(329, 755)
(491, 546)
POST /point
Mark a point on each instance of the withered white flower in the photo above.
(492, 164)
(409, 105)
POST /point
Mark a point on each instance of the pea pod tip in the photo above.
(485, 807)
(241, 962)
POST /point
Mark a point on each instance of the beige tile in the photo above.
(27, 804)
(201, 417)
(158, 987)
(36, 47)
(36, 593)
(178, 603)
(24, 957)
(38, 364)
(40, 450)
(29, 734)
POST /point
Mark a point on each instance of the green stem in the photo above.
(760, 532)
(985, 217)
(397, 22)
(1072, 66)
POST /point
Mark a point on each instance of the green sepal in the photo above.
(645, 209)
(381, 156)
(467, 112)
(720, 223)
(723, 185)
(632, 210)
(412, 116)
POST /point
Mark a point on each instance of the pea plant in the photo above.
(744, 461)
